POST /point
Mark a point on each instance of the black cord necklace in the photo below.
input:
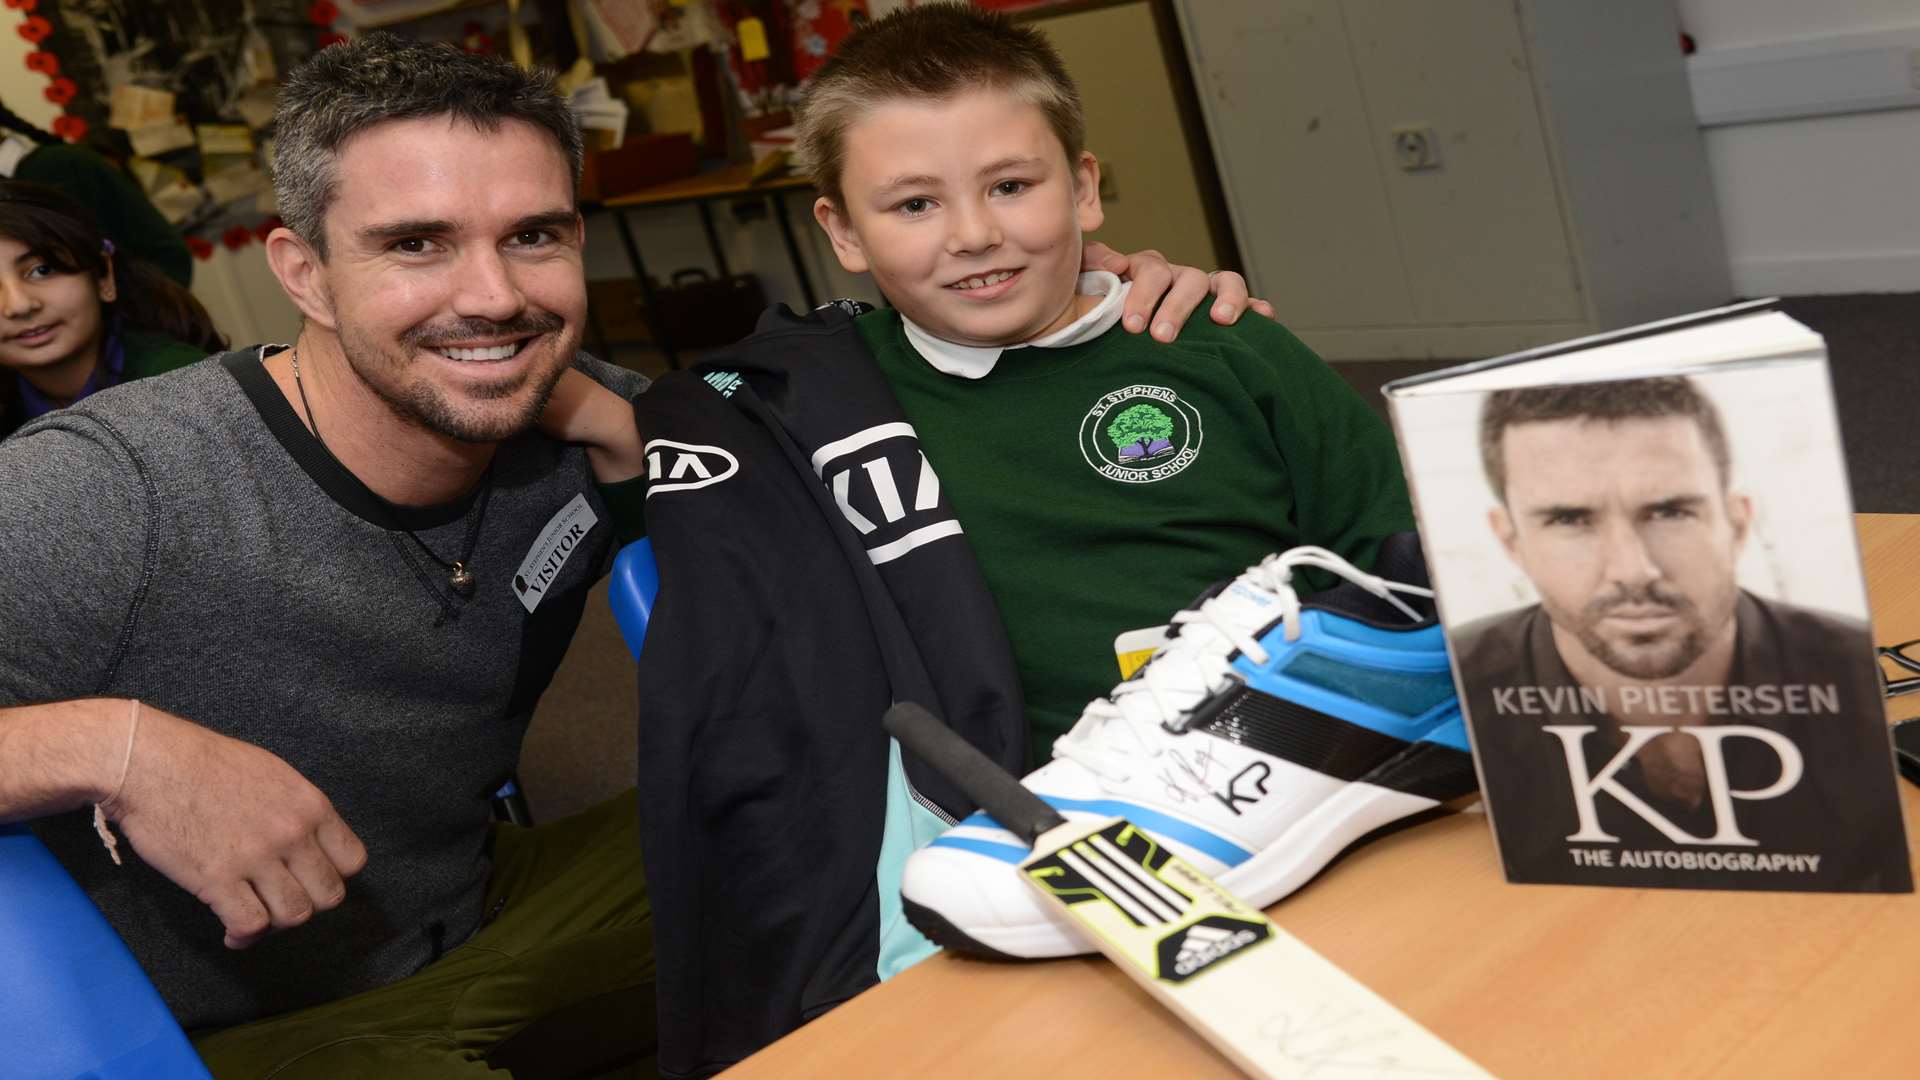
(459, 577)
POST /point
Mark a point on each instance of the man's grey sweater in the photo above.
(183, 540)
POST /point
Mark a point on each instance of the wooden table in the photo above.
(730, 183)
(1528, 980)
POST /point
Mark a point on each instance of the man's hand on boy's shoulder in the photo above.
(581, 410)
(1168, 293)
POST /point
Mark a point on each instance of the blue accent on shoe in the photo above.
(1427, 639)
(1451, 730)
(1164, 825)
(1009, 853)
(1401, 658)
(1408, 693)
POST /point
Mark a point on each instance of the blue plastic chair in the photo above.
(73, 1000)
(632, 592)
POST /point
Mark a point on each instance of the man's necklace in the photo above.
(459, 577)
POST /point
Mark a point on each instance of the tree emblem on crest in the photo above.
(1141, 432)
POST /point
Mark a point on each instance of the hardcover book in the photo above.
(1644, 553)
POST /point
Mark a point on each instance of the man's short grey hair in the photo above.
(348, 88)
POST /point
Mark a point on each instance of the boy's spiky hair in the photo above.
(929, 53)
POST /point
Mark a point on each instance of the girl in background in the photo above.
(95, 176)
(76, 317)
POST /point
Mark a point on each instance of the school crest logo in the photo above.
(1140, 434)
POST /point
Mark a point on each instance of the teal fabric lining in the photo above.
(910, 827)
(1407, 693)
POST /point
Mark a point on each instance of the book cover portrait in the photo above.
(1651, 588)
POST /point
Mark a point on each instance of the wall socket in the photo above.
(1416, 148)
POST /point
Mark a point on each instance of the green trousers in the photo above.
(559, 984)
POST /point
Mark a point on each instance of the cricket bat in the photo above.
(1272, 1005)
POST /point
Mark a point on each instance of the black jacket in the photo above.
(811, 575)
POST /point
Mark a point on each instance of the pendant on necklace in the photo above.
(462, 579)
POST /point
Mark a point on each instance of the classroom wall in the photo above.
(22, 90)
(1133, 127)
(1824, 204)
(244, 298)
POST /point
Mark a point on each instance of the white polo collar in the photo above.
(975, 362)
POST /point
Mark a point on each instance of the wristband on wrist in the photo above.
(99, 815)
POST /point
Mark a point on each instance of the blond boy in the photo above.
(1104, 479)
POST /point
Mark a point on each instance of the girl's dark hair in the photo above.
(62, 232)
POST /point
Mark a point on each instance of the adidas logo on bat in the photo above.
(1204, 944)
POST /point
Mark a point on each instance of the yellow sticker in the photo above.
(1135, 647)
(753, 39)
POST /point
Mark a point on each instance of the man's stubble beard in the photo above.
(419, 403)
(1670, 660)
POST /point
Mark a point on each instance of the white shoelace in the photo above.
(1113, 733)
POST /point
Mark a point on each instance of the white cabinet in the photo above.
(1563, 188)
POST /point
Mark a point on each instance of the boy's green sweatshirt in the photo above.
(1104, 485)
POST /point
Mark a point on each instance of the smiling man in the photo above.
(1646, 682)
(286, 658)
(442, 301)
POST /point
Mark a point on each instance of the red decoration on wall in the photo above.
(70, 128)
(332, 38)
(322, 13)
(43, 62)
(816, 38)
(36, 29)
(60, 91)
(475, 39)
(23, 5)
(237, 237)
(200, 248)
(265, 228)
